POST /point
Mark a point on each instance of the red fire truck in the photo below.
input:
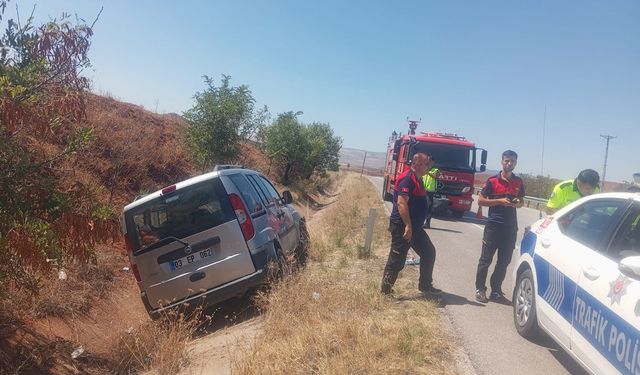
(454, 156)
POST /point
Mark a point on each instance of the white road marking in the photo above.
(477, 226)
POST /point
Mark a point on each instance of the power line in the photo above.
(606, 155)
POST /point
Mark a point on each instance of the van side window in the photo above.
(264, 194)
(249, 194)
(272, 191)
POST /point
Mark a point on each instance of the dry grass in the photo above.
(158, 347)
(331, 319)
(85, 283)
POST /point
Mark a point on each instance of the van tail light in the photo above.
(169, 189)
(243, 216)
(134, 266)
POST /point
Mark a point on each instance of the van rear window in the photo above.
(180, 214)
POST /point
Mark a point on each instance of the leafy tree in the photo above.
(286, 144)
(222, 118)
(300, 149)
(44, 213)
(538, 186)
(324, 149)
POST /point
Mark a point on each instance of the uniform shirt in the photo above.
(408, 184)
(497, 187)
(564, 193)
(430, 183)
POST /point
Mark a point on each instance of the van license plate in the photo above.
(191, 258)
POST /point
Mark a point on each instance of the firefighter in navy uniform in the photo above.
(410, 205)
(502, 193)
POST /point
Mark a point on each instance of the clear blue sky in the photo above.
(484, 69)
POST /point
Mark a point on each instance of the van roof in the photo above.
(184, 184)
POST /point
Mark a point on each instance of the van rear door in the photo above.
(187, 241)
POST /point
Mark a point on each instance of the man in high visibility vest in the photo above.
(587, 183)
(430, 181)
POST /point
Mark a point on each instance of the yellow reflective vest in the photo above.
(564, 193)
(430, 183)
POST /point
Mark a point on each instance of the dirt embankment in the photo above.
(132, 151)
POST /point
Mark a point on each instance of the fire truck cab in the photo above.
(453, 155)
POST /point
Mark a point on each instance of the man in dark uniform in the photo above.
(502, 193)
(410, 207)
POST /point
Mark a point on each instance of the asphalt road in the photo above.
(486, 330)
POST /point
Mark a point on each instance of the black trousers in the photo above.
(421, 244)
(429, 211)
(502, 239)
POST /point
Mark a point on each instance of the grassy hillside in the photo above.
(90, 305)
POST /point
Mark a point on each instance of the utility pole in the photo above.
(363, 160)
(606, 155)
(544, 127)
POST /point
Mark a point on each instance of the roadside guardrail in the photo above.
(530, 202)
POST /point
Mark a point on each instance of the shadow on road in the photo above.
(443, 299)
(444, 230)
(469, 217)
(502, 301)
(559, 354)
(567, 362)
(449, 299)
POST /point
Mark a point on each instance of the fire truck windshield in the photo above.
(449, 157)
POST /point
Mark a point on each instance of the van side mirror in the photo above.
(287, 197)
(483, 157)
(630, 266)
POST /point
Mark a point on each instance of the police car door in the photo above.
(557, 261)
(607, 309)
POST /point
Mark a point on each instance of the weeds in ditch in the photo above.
(331, 318)
(158, 346)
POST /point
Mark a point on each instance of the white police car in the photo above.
(578, 279)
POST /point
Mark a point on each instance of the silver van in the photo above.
(210, 238)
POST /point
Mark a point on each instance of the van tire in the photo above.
(302, 250)
(278, 268)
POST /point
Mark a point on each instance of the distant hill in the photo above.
(352, 158)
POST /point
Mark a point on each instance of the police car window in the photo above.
(248, 193)
(626, 243)
(589, 222)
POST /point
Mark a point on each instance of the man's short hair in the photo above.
(589, 177)
(426, 155)
(510, 153)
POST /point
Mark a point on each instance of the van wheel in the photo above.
(302, 250)
(279, 268)
(524, 306)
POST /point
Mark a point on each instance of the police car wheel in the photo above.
(524, 306)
